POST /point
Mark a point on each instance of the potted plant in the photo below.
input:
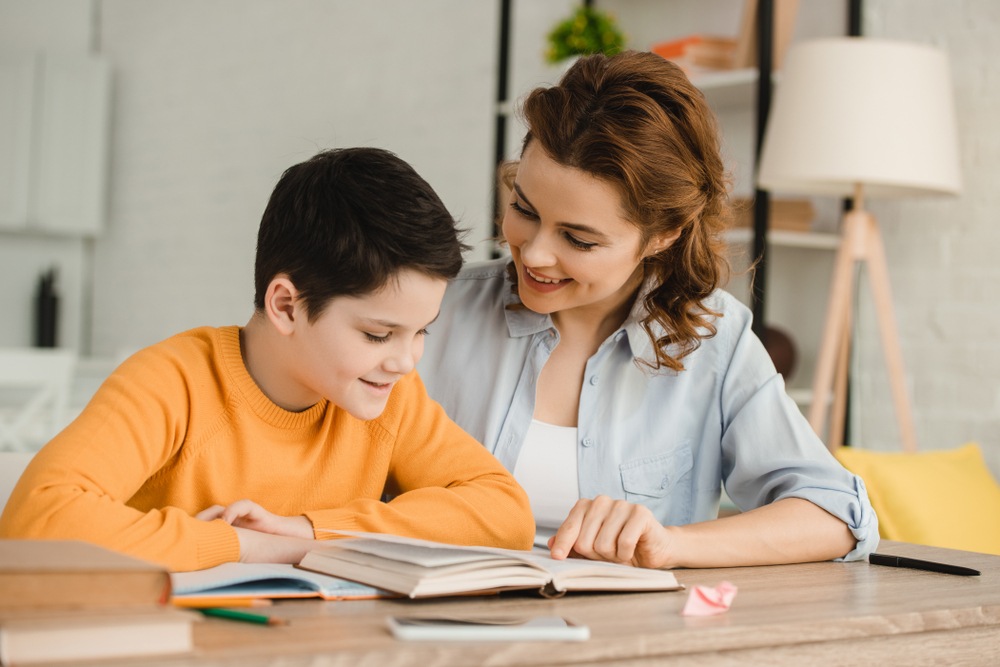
(587, 31)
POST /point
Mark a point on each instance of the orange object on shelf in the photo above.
(699, 51)
(676, 48)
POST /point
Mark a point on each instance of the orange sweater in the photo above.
(182, 426)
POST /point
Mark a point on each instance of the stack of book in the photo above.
(710, 52)
(694, 51)
(790, 215)
(67, 601)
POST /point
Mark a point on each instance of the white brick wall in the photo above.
(943, 254)
(214, 99)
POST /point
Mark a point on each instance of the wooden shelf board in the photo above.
(777, 237)
(728, 87)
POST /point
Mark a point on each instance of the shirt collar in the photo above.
(635, 335)
(522, 321)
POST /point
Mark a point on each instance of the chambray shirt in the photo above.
(666, 440)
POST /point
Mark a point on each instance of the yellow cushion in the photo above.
(945, 498)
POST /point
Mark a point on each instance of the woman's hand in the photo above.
(612, 530)
(790, 530)
(248, 514)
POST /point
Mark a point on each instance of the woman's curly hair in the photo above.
(635, 121)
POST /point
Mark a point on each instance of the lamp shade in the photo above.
(854, 110)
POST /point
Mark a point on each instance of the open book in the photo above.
(240, 581)
(418, 568)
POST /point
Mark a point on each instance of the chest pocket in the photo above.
(662, 483)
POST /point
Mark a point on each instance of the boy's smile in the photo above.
(356, 350)
(359, 347)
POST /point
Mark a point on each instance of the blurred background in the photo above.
(209, 100)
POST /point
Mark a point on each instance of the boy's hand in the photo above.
(258, 547)
(248, 514)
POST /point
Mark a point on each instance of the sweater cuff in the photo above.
(324, 521)
(217, 543)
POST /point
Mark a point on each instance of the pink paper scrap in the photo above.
(708, 600)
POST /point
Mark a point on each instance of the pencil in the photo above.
(245, 616)
(196, 603)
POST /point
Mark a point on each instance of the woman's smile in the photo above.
(541, 283)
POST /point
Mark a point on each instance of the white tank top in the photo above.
(547, 470)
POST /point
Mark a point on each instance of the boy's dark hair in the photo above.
(348, 220)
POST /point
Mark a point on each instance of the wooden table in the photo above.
(817, 613)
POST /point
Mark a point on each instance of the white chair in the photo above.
(12, 464)
(34, 392)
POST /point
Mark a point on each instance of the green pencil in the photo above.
(245, 616)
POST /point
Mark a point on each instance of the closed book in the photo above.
(712, 53)
(54, 574)
(420, 568)
(792, 215)
(699, 51)
(675, 49)
(50, 636)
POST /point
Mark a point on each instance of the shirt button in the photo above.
(587, 442)
(664, 482)
(594, 380)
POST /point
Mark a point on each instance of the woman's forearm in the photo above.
(791, 530)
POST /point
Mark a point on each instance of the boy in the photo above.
(311, 410)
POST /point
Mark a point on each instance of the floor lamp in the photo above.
(861, 118)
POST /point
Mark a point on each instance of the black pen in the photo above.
(917, 564)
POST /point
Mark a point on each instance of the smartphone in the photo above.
(455, 628)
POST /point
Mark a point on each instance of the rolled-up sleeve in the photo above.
(770, 451)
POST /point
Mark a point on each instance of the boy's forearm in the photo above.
(487, 511)
(257, 547)
(168, 537)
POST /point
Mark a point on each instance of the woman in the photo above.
(602, 364)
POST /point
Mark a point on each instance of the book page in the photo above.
(420, 552)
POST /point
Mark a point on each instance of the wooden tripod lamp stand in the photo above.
(861, 118)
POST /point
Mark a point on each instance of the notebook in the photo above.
(242, 581)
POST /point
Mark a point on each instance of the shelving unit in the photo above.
(781, 300)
